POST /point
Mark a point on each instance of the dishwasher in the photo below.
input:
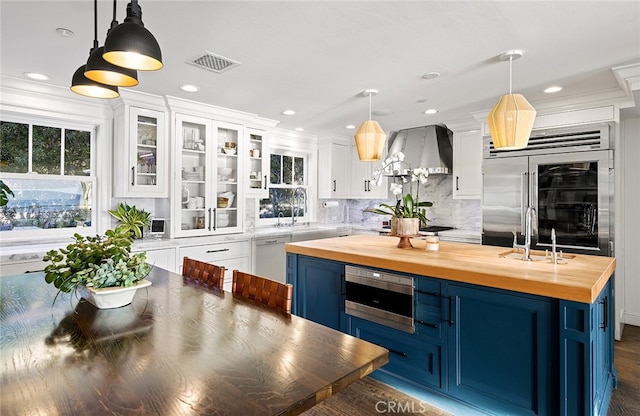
(269, 257)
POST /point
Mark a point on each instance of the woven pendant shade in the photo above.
(510, 122)
(370, 141)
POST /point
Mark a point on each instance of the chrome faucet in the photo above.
(530, 222)
(295, 203)
(280, 215)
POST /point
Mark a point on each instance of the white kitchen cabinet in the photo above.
(257, 171)
(467, 164)
(140, 152)
(363, 185)
(208, 193)
(165, 258)
(232, 255)
(333, 170)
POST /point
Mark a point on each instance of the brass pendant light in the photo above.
(511, 119)
(105, 72)
(370, 137)
(131, 45)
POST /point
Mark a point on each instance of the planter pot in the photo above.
(111, 297)
(405, 228)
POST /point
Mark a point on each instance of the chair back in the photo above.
(274, 294)
(205, 273)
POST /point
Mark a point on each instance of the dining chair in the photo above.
(274, 294)
(205, 273)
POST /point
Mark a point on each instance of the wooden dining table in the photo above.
(178, 349)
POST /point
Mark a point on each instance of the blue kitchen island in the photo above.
(478, 324)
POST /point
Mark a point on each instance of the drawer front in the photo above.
(428, 324)
(408, 357)
(428, 308)
(216, 252)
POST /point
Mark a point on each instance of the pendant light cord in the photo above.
(114, 22)
(510, 64)
(95, 24)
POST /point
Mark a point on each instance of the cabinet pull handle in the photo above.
(271, 241)
(457, 183)
(334, 185)
(214, 226)
(368, 186)
(400, 353)
(133, 175)
(605, 314)
(265, 182)
(434, 294)
(218, 250)
(365, 186)
(421, 322)
(450, 310)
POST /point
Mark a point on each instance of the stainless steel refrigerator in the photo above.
(566, 176)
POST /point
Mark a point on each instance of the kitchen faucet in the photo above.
(530, 220)
(295, 202)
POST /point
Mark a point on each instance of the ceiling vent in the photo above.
(213, 62)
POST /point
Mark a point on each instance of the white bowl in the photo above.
(229, 151)
(225, 171)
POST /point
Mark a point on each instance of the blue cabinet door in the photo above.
(319, 295)
(501, 351)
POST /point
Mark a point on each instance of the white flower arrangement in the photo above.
(407, 206)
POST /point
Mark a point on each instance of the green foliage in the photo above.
(5, 191)
(131, 218)
(405, 207)
(100, 261)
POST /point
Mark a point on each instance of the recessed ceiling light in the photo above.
(431, 75)
(553, 89)
(431, 111)
(382, 113)
(350, 126)
(189, 88)
(421, 100)
(288, 112)
(299, 129)
(35, 75)
(65, 33)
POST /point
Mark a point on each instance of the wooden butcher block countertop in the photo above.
(580, 279)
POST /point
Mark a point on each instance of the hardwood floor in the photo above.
(625, 400)
(362, 397)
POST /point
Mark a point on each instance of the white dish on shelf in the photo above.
(229, 151)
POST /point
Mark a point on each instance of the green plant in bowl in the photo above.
(131, 218)
(96, 262)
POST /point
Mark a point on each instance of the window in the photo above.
(48, 170)
(287, 187)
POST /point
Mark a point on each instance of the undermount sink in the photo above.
(535, 255)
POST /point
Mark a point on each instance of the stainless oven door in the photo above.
(379, 297)
(573, 194)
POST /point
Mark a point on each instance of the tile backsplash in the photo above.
(459, 213)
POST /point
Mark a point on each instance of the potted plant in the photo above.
(131, 218)
(409, 212)
(101, 268)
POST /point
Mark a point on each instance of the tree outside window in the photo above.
(287, 173)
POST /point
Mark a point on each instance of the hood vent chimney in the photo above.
(424, 147)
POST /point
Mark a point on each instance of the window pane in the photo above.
(276, 169)
(47, 143)
(77, 153)
(298, 170)
(287, 170)
(46, 204)
(14, 147)
(279, 202)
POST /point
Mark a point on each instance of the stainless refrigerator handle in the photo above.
(524, 200)
(533, 196)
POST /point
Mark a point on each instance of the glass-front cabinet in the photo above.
(258, 164)
(207, 197)
(142, 170)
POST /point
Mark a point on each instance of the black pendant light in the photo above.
(82, 85)
(131, 45)
(90, 88)
(105, 72)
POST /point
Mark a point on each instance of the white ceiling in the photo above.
(317, 56)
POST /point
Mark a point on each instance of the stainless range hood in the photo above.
(424, 147)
